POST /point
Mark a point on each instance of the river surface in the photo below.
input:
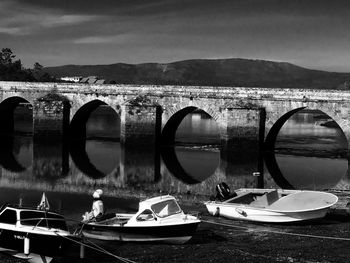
(307, 156)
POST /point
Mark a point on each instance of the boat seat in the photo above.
(245, 198)
(113, 220)
(105, 217)
(266, 199)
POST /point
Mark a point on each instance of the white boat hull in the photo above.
(262, 215)
(293, 206)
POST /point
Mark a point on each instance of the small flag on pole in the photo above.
(44, 203)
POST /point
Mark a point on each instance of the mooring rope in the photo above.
(102, 249)
(97, 248)
(94, 247)
(278, 232)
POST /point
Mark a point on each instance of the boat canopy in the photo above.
(162, 206)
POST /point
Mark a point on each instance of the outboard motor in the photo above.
(223, 192)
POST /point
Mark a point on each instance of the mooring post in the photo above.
(26, 246)
(82, 249)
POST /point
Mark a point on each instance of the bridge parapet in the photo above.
(160, 91)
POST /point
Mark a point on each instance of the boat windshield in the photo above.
(43, 219)
(166, 208)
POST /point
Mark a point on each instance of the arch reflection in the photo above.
(174, 166)
(188, 140)
(7, 156)
(95, 158)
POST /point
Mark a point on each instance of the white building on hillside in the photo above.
(73, 79)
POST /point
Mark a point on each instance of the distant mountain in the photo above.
(210, 72)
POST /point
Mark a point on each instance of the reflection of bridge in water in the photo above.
(248, 119)
(112, 185)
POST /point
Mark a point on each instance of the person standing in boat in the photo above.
(97, 210)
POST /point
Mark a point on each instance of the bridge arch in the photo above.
(173, 116)
(170, 128)
(274, 129)
(7, 110)
(336, 115)
(274, 122)
(77, 127)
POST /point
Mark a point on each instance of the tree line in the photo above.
(11, 69)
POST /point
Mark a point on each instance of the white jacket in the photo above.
(97, 208)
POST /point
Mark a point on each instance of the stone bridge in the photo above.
(155, 112)
(150, 115)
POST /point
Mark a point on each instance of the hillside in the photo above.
(218, 72)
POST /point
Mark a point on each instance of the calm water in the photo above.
(307, 156)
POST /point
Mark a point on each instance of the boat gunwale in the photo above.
(172, 223)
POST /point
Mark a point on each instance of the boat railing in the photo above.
(39, 224)
(47, 219)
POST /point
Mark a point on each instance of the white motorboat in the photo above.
(32, 231)
(159, 219)
(273, 205)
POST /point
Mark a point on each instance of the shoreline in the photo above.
(223, 240)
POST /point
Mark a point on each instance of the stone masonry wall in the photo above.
(139, 124)
(241, 124)
(49, 117)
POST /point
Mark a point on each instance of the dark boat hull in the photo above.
(50, 245)
(177, 234)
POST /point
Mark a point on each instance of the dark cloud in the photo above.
(101, 7)
(311, 33)
(138, 7)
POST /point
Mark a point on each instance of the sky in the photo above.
(309, 33)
